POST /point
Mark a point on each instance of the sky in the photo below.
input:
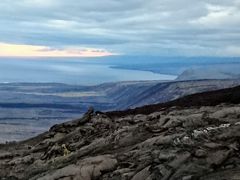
(119, 27)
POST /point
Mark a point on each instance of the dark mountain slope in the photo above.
(164, 92)
(212, 98)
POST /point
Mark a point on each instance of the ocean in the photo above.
(70, 71)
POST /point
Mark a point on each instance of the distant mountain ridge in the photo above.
(212, 72)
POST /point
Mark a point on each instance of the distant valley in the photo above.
(27, 109)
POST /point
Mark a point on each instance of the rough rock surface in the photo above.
(171, 144)
(193, 138)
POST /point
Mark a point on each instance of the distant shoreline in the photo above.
(144, 69)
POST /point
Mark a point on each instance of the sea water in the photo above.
(81, 72)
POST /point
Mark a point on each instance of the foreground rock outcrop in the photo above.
(177, 143)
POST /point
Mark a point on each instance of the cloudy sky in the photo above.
(124, 27)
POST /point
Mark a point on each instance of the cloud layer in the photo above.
(132, 27)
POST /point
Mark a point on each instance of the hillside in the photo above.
(195, 137)
(210, 98)
(164, 92)
(28, 109)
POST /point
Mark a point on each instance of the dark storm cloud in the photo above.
(159, 27)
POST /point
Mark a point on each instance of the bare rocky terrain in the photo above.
(171, 141)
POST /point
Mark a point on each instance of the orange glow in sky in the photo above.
(19, 50)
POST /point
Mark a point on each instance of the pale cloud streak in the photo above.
(15, 50)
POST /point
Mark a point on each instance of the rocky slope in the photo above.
(176, 140)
